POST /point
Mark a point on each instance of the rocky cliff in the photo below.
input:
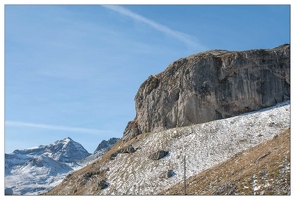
(211, 85)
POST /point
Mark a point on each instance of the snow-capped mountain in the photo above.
(36, 175)
(99, 151)
(36, 170)
(66, 150)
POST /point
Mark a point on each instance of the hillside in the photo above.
(261, 170)
(132, 170)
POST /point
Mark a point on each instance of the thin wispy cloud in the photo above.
(187, 39)
(53, 127)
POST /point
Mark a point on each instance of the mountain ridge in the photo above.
(37, 169)
(58, 150)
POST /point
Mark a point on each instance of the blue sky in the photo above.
(74, 70)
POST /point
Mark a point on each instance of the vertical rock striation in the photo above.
(211, 85)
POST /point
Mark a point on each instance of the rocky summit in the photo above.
(211, 85)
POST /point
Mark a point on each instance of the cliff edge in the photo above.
(211, 85)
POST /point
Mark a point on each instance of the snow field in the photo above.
(204, 145)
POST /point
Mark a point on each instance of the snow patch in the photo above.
(204, 146)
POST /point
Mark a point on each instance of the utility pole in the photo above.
(184, 175)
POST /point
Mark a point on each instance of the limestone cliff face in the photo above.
(211, 85)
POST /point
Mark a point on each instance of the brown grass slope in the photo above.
(261, 170)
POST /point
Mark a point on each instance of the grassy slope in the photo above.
(263, 169)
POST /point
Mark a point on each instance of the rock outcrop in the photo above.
(167, 174)
(127, 149)
(211, 85)
(158, 155)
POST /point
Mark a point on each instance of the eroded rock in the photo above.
(209, 86)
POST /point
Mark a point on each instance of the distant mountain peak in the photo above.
(65, 150)
(106, 144)
(68, 139)
(64, 141)
(46, 165)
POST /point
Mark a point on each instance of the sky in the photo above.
(74, 70)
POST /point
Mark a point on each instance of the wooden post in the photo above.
(184, 175)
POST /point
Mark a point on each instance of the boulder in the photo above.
(128, 149)
(113, 156)
(209, 86)
(167, 174)
(158, 155)
(170, 173)
(103, 184)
